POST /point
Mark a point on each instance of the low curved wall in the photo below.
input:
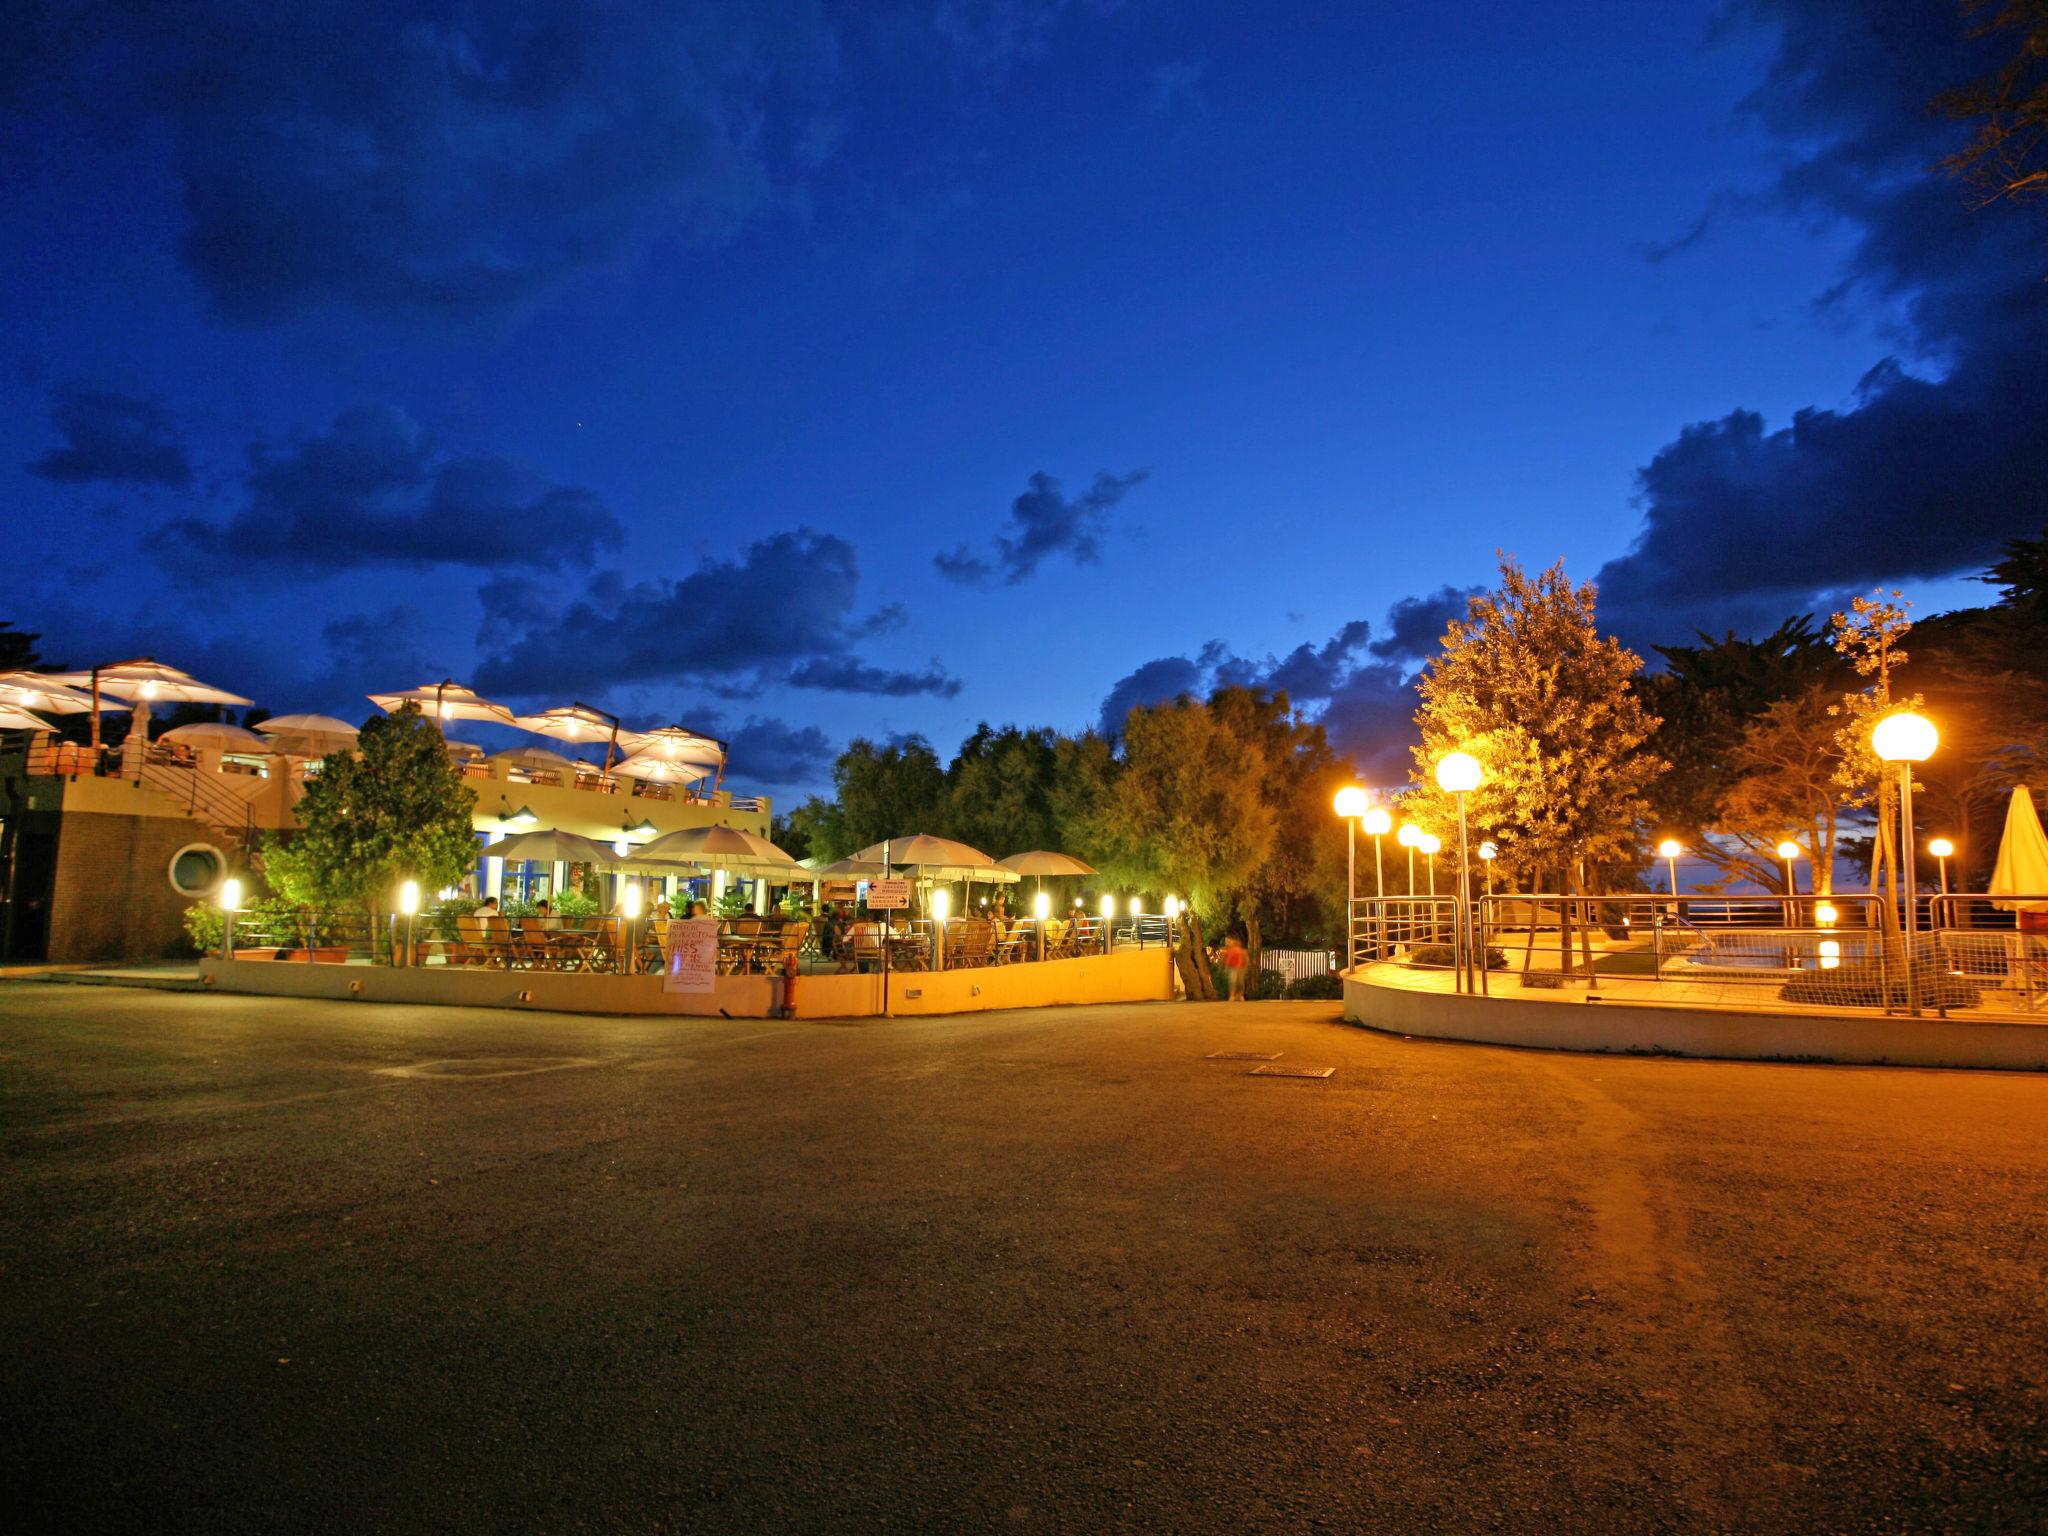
(1572, 1022)
(1129, 976)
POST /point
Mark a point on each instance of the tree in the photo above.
(394, 810)
(882, 791)
(1787, 762)
(2005, 155)
(1868, 637)
(1179, 815)
(999, 790)
(17, 648)
(1528, 684)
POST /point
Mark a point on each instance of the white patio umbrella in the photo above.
(444, 701)
(14, 718)
(659, 770)
(309, 735)
(144, 682)
(674, 744)
(549, 846)
(920, 849)
(851, 869)
(576, 722)
(2022, 867)
(34, 690)
(538, 760)
(463, 751)
(214, 736)
(1042, 862)
(718, 848)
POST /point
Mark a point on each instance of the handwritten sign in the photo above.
(888, 895)
(692, 964)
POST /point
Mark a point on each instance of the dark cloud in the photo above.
(783, 610)
(373, 490)
(1934, 462)
(776, 754)
(846, 674)
(1415, 625)
(434, 156)
(112, 438)
(1043, 523)
(1366, 705)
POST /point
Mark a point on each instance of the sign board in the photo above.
(692, 961)
(888, 895)
(839, 890)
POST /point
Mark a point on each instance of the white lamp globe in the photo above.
(1488, 851)
(1670, 848)
(1941, 847)
(1351, 801)
(1410, 836)
(1429, 843)
(1458, 773)
(1379, 821)
(1905, 738)
(1789, 850)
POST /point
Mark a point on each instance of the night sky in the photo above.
(797, 371)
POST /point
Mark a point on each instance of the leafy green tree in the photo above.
(1180, 815)
(1528, 684)
(1786, 763)
(882, 791)
(17, 648)
(999, 790)
(393, 810)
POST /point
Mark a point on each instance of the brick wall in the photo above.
(113, 898)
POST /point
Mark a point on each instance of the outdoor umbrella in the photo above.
(725, 847)
(548, 846)
(673, 744)
(463, 751)
(2022, 867)
(32, 690)
(309, 735)
(537, 760)
(1042, 862)
(444, 701)
(577, 722)
(213, 736)
(659, 770)
(144, 681)
(852, 869)
(939, 858)
(13, 718)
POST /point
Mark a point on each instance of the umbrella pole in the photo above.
(95, 717)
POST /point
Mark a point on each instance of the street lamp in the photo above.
(409, 904)
(1487, 854)
(230, 904)
(1457, 775)
(1787, 852)
(1906, 739)
(1351, 805)
(1407, 837)
(629, 904)
(1668, 851)
(1378, 822)
(1942, 848)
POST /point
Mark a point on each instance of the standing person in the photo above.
(1235, 960)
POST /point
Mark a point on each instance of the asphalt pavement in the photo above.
(282, 1266)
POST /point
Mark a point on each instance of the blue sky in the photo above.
(655, 357)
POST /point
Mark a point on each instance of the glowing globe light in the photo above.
(1429, 843)
(1941, 848)
(630, 901)
(942, 903)
(231, 895)
(409, 897)
(1108, 908)
(1789, 850)
(1410, 835)
(1352, 801)
(1379, 821)
(1458, 773)
(1041, 906)
(1905, 738)
(1488, 852)
(1670, 848)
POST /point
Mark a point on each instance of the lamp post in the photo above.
(1788, 851)
(1351, 805)
(409, 904)
(230, 904)
(1906, 739)
(1668, 851)
(1487, 854)
(1457, 775)
(1942, 848)
(1378, 822)
(629, 904)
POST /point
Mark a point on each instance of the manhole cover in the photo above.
(469, 1068)
(1243, 1056)
(1271, 1071)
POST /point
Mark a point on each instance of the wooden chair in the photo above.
(470, 940)
(970, 943)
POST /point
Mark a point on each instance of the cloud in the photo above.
(782, 613)
(1935, 460)
(1365, 703)
(844, 674)
(1044, 523)
(373, 490)
(113, 438)
(775, 753)
(453, 160)
(1416, 624)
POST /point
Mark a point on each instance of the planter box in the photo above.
(327, 956)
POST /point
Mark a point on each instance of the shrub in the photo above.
(1327, 985)
(1543, 980)
(204, 926)
(732, 904)
(1867, 986)
(572, 902)
(442, 915)
(1445, 956)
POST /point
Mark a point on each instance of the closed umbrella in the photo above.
(444, 701)
(2022, 867)
(215, 736)
(309, 735)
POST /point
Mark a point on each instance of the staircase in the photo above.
(204, 800)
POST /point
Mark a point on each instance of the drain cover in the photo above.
(1243, 1056)
(1272, 1071)
(473, 1067)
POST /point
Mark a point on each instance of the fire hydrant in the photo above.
(789, 975)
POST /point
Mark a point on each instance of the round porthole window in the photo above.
(197, 870)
